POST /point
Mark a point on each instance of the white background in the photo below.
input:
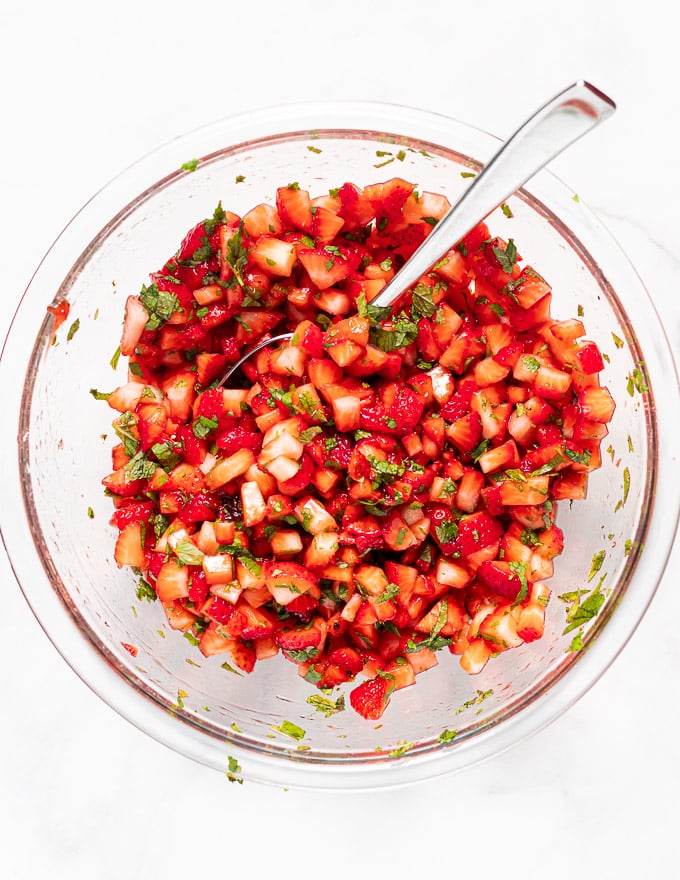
(85, 89)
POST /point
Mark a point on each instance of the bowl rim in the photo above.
(142, 711)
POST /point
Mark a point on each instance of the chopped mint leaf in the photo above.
(447, 736)
(159, 304)
(139, 467)
(100, 395)
(188, 553)
(596, 564)
(289, 729)
(398, 334)
(202, 426)
(233, 771)
(145, 591)
(326, 706)
(446, 532)
(422, 303)
(506, 258)
(73, 329)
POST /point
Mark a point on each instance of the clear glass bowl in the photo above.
(54, 451)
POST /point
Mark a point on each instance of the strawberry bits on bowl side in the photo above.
(385, 487)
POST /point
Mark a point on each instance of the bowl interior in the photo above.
(65, 438)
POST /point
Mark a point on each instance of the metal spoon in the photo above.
(550, 130)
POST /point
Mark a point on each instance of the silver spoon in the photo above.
(550, 130)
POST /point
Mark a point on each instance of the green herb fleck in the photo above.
(100, 395)
(447, 736)
(236, 258)
(73, 329)
(532, 364)
(191, 165)
(401, 333)
(188, 553)
(160, 305)
(626, 483)
(145, 591)
(422, 303)
(446, 532)
(596, 564)
(234, 770)
(506, 258)
(202, 426)
(139, 467)
(581, 612)
(636, 382)
(325, 705)
(576, 643)
(402, 749)
(289, 729)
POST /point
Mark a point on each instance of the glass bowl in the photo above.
(55, 448)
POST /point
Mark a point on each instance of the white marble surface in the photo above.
(85, 90)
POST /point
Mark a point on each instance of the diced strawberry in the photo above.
(129, 549)
(136, 318)
(371, 697)
(465, 433)
(273, 256)
(239, 438)
(294, 207)
(597, 404)
(325, 224)
(388, 199)
(500, 577)
(356, 209)
(302, 642)
(459, 404)
(326, 267)
(310, 339)
(134, 511)
(463, 536)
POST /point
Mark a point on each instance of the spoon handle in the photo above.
(551, 129)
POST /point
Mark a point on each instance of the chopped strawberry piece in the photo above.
(239, 438)
(371, 697)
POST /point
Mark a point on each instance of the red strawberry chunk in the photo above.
(459, 404)
(501, 578)
(136, 511)
(198, 587)
(371, 697)
(239, 438)
(461, 537)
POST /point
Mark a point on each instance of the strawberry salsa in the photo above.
(381, 489)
